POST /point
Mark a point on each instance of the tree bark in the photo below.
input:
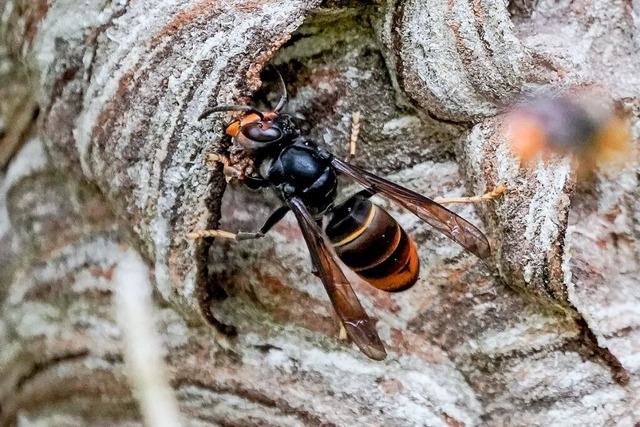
(546, 332)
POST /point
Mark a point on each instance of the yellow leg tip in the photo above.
(192, 236)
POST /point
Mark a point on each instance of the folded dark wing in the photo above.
(359, 327)
(442, 219)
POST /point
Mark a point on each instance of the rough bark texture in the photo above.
(546, 332)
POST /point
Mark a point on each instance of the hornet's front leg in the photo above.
(229, 171)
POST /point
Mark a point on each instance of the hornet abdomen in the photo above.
(371, 243)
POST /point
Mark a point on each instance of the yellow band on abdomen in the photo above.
(358, 231)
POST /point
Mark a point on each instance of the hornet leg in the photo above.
(273, 219)
(342, 335)
(229, 171)
(355, 130)
(490, 195)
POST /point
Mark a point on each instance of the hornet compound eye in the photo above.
(261, 132)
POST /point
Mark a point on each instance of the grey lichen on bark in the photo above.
(119, 166)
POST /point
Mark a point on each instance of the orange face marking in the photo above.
(233, 128)
(249, 118)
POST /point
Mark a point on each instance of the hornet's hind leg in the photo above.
(490, 195)
(498, 191)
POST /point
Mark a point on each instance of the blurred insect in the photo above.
(580, 127)
(359, 233)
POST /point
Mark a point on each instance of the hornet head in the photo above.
(259, 131)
